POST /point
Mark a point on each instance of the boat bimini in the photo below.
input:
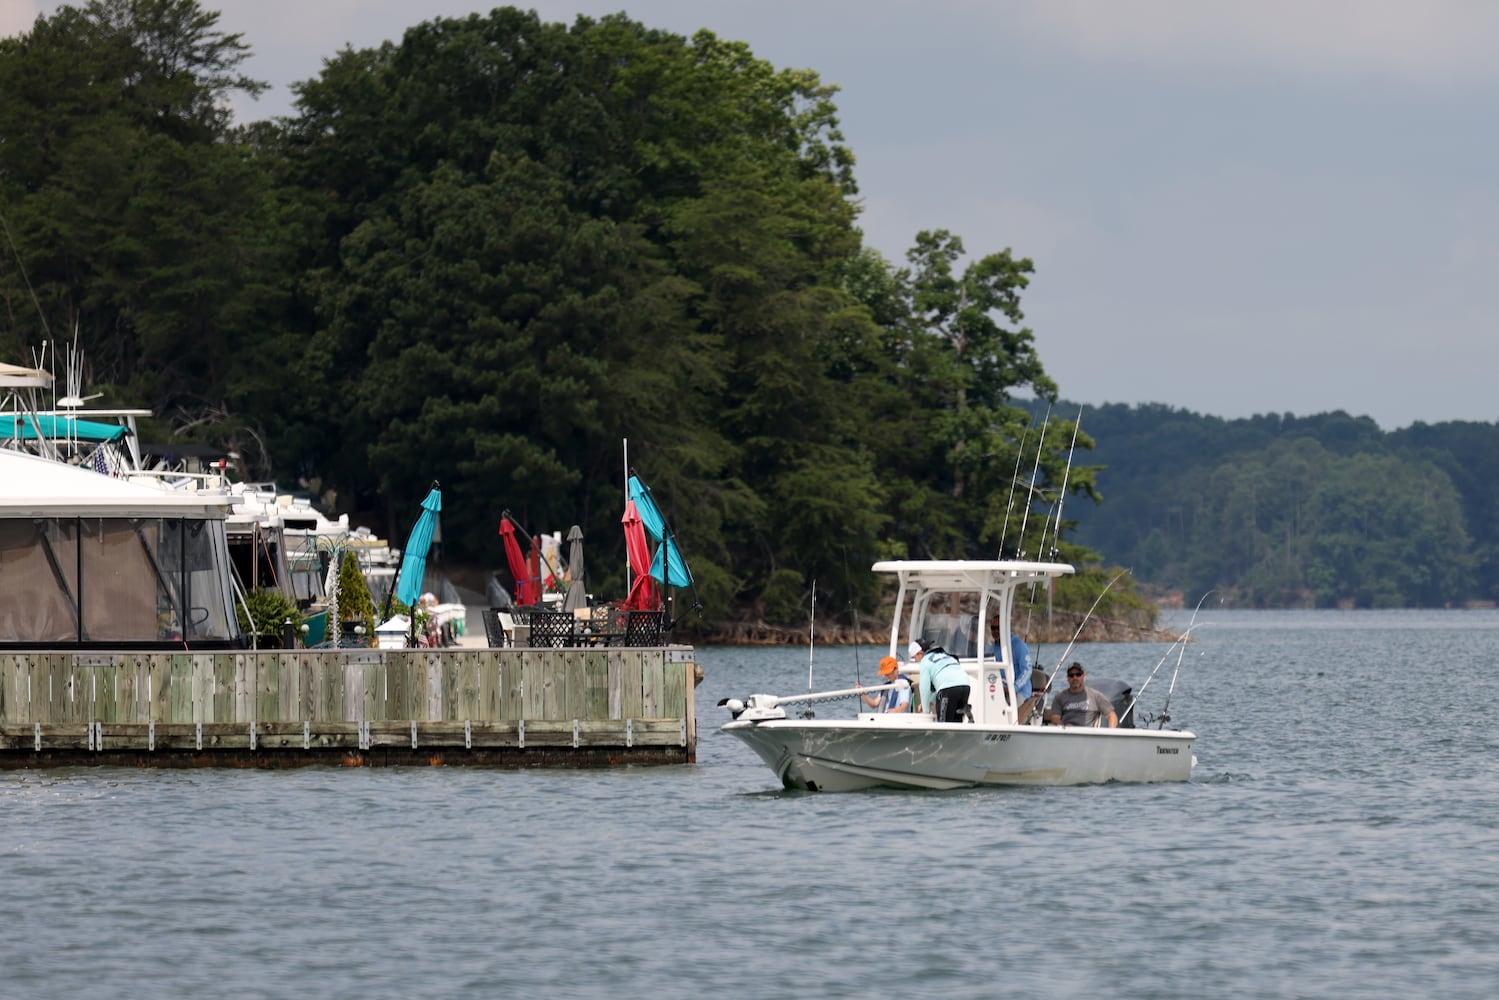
(943, 603)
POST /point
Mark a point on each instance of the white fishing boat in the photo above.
(942, 603)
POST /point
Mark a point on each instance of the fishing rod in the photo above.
(1182, 642)
(1056, 531)
(1165, 715)
(854, 606)
(811, 635)
(1004, 530)
(1080, 627)
(1040, 444)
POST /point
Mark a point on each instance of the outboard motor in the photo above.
(755, 708)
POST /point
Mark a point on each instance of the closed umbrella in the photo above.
(414, 558)
(676, 573)
(577, 594)
(642, 592)
(525, 585)
(650, 514)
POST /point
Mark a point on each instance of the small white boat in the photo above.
(943, 602)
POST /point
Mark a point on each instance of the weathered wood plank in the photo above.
(222, 693)
(513, 685)
(400, 684)
(538, 685)
(179, 706)
(574, 701)
(595, 685)
(625, 699)
(354, 702)
(653, 680)
(244, 688)
(674, 687)
(161, 688)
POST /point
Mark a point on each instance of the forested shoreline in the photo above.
(1283, 511)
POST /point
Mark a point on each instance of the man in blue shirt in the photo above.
(1020, 659)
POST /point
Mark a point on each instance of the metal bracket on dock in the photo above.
(682, 731)
(252, 736)
(198, 735)
(37, 730)
(521, 727)
(150, 736)
(413, 734)
(468, 734)
(306, 735)
(364, 735)
(96, 736)
(575, 734)
(629, 732)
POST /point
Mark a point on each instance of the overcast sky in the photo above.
(1235, 208)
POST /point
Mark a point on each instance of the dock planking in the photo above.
(493, 708)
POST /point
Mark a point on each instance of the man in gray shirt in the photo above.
(1080, 705)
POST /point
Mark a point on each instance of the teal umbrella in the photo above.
(414, 558)
(675, 571)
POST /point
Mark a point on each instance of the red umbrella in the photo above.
(643, 590)
(525, 584)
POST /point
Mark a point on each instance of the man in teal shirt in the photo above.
(944, 682)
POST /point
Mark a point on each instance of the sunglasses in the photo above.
(1074, 673)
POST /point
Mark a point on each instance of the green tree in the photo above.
(354, 601)
(133, 218)
(967, 465)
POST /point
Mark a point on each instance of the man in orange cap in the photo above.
(897, 698)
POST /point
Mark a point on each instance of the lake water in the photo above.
(1337, 840)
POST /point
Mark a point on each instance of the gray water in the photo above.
(1337, 840)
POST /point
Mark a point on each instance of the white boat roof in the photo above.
(968, 574)
(32, 486)
(17, 377)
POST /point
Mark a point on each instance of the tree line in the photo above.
(488, 252)
(1286, 511)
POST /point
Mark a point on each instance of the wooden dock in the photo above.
(487, 707)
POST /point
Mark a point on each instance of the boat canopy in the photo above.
(31, 426)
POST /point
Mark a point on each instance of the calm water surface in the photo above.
(1337, 840)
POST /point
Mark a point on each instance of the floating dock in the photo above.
(509, 708)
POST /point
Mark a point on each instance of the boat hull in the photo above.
(871, 752)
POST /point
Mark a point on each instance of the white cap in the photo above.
(914, 650)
